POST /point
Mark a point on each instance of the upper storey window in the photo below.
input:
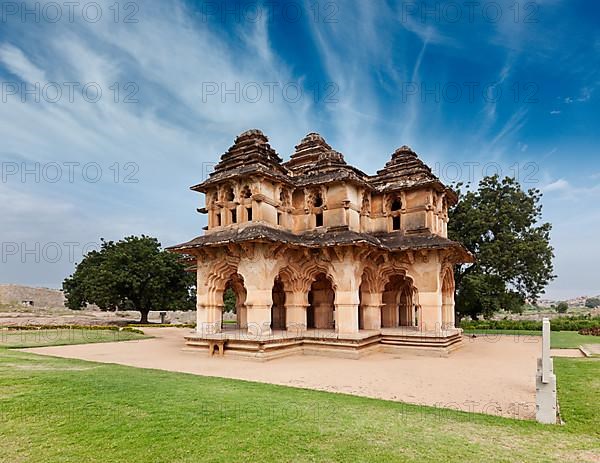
(229, 194)
(318, 201)
(246, 192)
(395, 211)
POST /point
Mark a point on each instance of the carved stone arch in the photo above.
(393, 202)
(370, 278)
(400, 303)
(221, 272)
(245, 191)
(229, 192)
(316, 197)
(310, 270)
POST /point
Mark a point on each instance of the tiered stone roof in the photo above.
(405, 171)
(250, 154)
(315, 162)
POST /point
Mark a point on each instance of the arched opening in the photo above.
(246, 192)
(234, 304)
(398, 307)
(318, 201)
(320, 312)
(229, 194)
(448, 300)
(278, 321)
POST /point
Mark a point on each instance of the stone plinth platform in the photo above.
(239, 343)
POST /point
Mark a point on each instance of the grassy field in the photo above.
(558, 339)
(62, 337)
(60, 410)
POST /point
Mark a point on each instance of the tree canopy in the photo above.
(592, 302)
(131, 274)
(501, 225)
(562, 307)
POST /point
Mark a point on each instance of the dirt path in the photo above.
(494, 375)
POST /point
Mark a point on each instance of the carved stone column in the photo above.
(296, 303)
(258, 268)
(208, 309)
(431, 311)
(371, 304)
(346, 272)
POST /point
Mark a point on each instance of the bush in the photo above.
(592, 302)
(590, 331)
(562, 307)
(71, 327)
(575, 323)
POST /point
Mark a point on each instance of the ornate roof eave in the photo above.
(383, 187)
(325, 178)
(260, 233)
(242, 173)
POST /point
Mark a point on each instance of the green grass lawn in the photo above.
(558, 339)
(59, 410)
(62, 337)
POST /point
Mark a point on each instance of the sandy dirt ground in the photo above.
(494, 375)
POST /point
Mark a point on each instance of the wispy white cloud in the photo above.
(17, 63)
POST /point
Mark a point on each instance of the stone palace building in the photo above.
(322, 257)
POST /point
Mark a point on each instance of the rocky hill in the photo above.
(26, 296)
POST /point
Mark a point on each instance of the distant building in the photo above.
(322, 256)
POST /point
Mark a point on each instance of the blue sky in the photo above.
(499, 86)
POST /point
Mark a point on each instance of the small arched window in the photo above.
(396, 205)
(246, 192)
(229, 195)
(318, 202)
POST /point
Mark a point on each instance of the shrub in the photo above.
(574, 323)
(592, 302)
(590, 331)
(562, 307)
(71, 327)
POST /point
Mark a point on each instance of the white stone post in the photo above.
(545, 396)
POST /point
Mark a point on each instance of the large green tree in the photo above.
(501, 225)
(131, 274)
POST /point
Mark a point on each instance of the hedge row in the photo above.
(557, 324)
(71, 327)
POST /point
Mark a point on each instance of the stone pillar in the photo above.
(346, 273)
(296, 304)
(371, 306)
(242, 318)
(346, 311)
(258, 269)
(208, 311)
(431, 311)
(259, 317)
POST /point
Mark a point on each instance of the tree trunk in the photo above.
(144, 319)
